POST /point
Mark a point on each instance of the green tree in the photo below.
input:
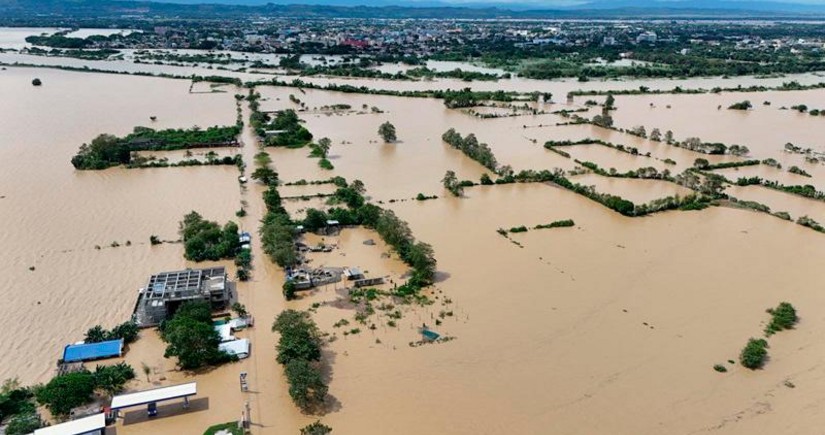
(205, 240)
(24, 423)
(240, 309)
(315, 219)
(65, 392)
(128, 331)
(191, 337)
(300, 338)
(306, 385)
(265, 175)
(36, 82)
(289, 290)
(701, 163)
(450, 182)
(387, 132)
(422, 259)
(754, 353)
(324, 145)
(104, 151)
(316, 428)
(609, 102)
(96, 334)
(112, 379)
(782, 317)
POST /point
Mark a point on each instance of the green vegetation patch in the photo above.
(206, 240)
(231, 427)
(192, 338)
(782, 317)
(754, 354)
(108, 150)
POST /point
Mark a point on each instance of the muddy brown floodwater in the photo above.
(610, 326)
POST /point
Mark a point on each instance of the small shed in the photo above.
(429, 335)
(353, 273)
(92, 351)
(239, 348)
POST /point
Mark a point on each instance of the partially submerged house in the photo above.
(353, 273)
(167, 291)
(304, 279)
(239, 348)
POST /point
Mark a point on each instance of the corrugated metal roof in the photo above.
(239, 348)
(90, 351)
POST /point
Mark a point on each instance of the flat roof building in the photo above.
(167, 291)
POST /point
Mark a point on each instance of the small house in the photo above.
(353, 273)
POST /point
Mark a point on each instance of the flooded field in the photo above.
(56, 217)
(765, 129)
(612, 325)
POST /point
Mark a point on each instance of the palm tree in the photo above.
(146, 370)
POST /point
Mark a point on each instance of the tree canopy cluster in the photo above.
(754, 353)
(277, 230)
(206, 240)
(17, 409)
(108, 150)
(291, 133)
(68, 391)
(299, 351)
(128, 331)
(192, 338)
(470, 146)
(782, 317)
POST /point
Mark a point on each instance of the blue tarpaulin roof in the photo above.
(90, 351)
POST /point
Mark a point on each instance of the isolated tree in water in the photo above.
(316, 428)
(387, 132)
(323, 145)
(452, 184)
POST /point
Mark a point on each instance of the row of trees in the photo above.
(108, 150)
(206, 240)
(470, 146)
(299, 351)
(128, 331)
(145, 138)
(278, 231)
(290, 131)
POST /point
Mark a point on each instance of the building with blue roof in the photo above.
(92, 351)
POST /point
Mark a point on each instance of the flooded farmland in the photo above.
(581, 329)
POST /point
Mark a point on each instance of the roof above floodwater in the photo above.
(91, 351)
(154, 395)
(80, 426)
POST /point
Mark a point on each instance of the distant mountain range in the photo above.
(521, 5)
(42, 10)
